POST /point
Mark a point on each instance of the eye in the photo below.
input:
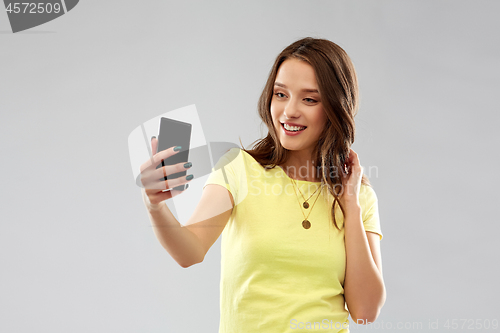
(310, 100)
(280, 94)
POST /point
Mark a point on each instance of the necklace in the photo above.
(306, 224)
(306, 204)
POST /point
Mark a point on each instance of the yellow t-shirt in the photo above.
(277, 276)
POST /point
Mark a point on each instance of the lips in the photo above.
(291, 133)
(293, 124)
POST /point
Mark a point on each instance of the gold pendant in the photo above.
(306, 205)
(306, 224)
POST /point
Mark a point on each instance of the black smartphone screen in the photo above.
(174, 133)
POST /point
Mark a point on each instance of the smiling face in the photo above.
(296, 101)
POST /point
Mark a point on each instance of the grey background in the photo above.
(77, 250)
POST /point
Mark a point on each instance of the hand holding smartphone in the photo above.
(173, 133)
(163, 176)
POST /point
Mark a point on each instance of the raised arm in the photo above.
(189, 244)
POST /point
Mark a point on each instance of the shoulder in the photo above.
(369, 209)
(233, 153)
(240, 157)
(367, 198)
(227, 158)
(367, 192)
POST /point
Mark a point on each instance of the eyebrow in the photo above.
(304, 90)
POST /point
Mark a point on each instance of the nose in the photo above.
(291, 109)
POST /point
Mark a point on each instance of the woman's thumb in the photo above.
(154, 145)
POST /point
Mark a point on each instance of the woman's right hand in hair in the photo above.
(153, 179)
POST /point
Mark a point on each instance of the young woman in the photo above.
(299, 220)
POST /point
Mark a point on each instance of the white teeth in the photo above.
(293, 128)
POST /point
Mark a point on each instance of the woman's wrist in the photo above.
(151, 206)
(352, 207)
(155, 207)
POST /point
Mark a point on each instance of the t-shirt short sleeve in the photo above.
(369, 203)
(226, 173)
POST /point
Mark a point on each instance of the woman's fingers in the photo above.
(157, 158)
(352, 161)
(158, 179)
(149, 172)
(157, 184)
(152, 176)
(353, 168)
(157, 197)
(167, 170)
(354, 157)
(154, 145)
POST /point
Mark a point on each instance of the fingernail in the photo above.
(187, 185)
(177, 148)
(153, 137)
(189, 177)
(188, 165)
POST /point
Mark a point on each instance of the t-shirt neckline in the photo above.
(283, 171)
(297, 180)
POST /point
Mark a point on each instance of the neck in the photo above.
(301, 167)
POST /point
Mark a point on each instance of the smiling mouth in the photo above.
(293, 128)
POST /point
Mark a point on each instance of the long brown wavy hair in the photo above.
(338, 88)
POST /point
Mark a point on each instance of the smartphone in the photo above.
(174, 133)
